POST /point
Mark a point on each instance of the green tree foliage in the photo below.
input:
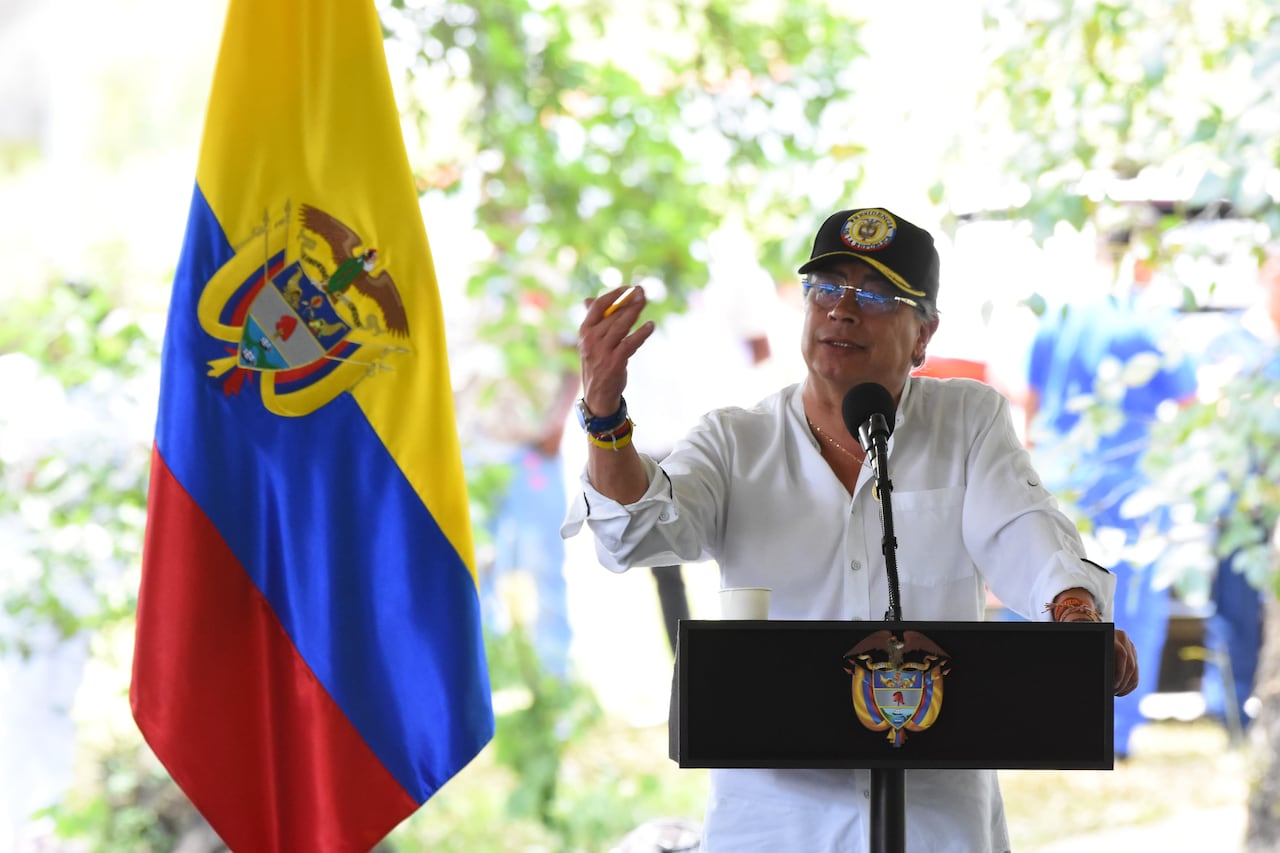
(1094, 111)
(73, 497)
(1093, 106)
(80, 375)
(1223, 460)
(602, 143)
(1176, 99)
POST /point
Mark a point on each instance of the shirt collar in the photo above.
(796, 406)
(797, 409)
(902, 404)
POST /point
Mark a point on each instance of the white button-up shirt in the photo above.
(750, 490)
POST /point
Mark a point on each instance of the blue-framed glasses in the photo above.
(826, 290)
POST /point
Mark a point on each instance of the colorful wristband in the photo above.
(1066, 606)
(598, 425)
(615, 440)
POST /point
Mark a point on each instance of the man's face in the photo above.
(845, 345)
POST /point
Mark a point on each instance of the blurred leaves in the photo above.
(1093, 108)
(605, 142)
(1221, 459)
(538, 715)
(134, 807)
(1145, 115)
(73, 461)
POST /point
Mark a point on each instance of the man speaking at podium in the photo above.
(780, 496)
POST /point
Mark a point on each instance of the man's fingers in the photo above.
(633, 341)
(606, 342)
(620, 301)
(606, 333)
(628, 300)
(1126, 665)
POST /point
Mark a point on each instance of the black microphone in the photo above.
(868, 412)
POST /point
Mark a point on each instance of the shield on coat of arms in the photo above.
(290, 324)
(897, 694)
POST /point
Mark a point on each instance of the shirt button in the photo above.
(866, 795)
(854, 565)
(664, 516)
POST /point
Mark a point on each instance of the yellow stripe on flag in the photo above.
(310, 136)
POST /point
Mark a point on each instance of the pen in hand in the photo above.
(617, 303)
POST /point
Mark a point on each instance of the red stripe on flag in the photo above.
(220, 691)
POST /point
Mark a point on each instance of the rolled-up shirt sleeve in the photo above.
(624, 532)
(1009, 512)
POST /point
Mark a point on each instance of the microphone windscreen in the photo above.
(862, 402)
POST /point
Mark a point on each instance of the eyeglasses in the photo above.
(826, 291)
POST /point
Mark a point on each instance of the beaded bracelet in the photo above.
(615, 440)
(1072, 605)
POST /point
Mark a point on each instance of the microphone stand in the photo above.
(888, 784)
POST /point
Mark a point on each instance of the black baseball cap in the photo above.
(903, 253)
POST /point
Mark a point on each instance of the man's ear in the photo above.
(927, 329)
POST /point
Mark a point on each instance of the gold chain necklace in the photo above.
(837, 445)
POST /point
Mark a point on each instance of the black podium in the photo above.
(893, 696)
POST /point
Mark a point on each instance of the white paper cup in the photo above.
(747, 602)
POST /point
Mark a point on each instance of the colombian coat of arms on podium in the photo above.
(897, 682)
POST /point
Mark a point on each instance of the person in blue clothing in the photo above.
(1233, 629)
(1105, 351)
(514, 425)
(526, 540)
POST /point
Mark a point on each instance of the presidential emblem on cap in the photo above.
(897, 682)
(868, 230)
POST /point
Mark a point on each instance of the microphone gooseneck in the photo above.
(868, 412)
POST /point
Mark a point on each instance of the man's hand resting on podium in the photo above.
(1076, 605)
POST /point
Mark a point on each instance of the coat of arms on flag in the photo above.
(297, 301)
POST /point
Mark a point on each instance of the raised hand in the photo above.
(606, 343)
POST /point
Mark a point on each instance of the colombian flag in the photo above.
(309, 664)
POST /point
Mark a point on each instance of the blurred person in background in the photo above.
(1102, 352)
(516, 424)
(1233, 628)
(717, 347)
